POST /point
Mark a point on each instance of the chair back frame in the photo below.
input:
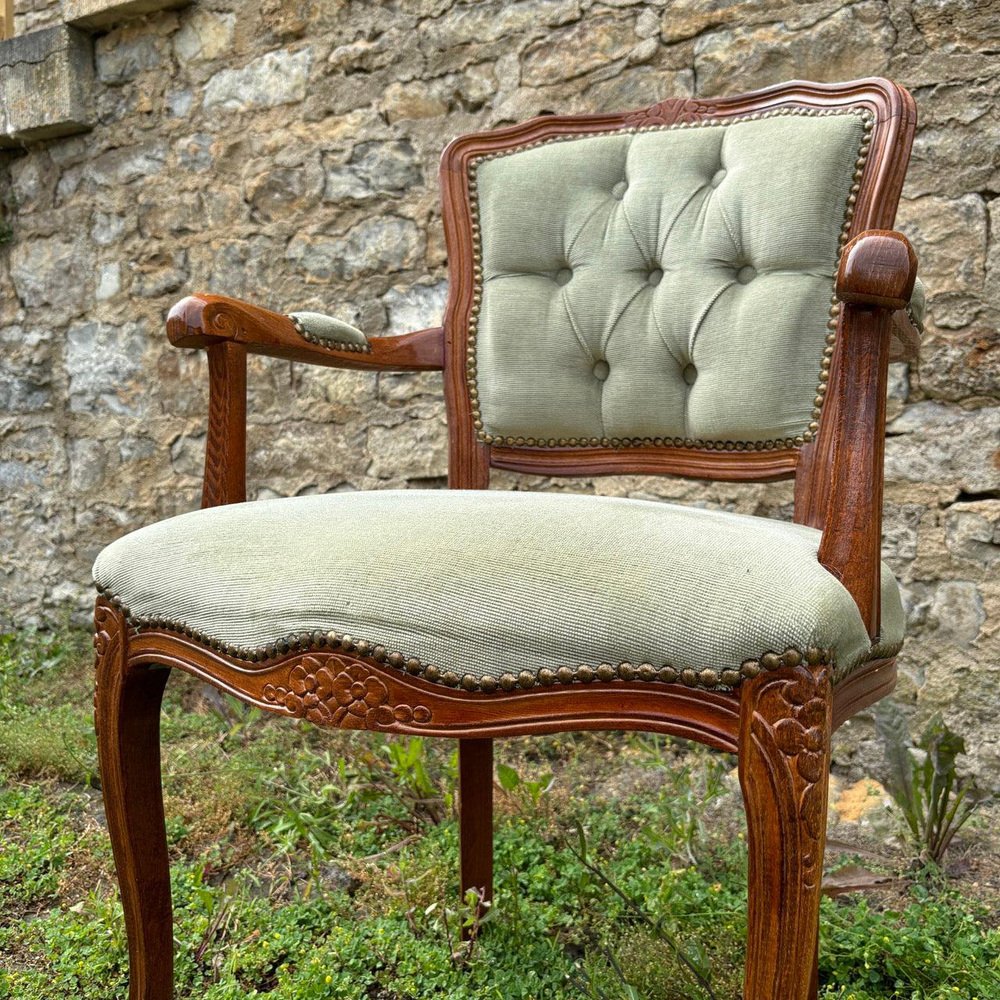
(470, 459)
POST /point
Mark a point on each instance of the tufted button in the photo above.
(746, 274)
(689, 374)
(563, 276)
(601, 370)
(618, 191)
(654, 276)
(717, 177)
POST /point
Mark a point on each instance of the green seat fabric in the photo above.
(918, 305)
(672, 282)
(487, 583)
(319, 328)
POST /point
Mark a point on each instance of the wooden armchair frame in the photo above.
(779, 721)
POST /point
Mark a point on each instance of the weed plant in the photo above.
(922, 776)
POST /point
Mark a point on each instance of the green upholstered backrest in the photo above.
(663, 284)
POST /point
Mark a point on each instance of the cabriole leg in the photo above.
(784, 763)
(127, 716)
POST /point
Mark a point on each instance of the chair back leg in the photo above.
(127, 716)
(475, 811)
(784, 764)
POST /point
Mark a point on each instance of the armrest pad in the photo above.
(917, 306)
(908, 327)
(327, 331)
(204, 320)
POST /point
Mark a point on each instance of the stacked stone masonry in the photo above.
(46, 78)
(287, 153)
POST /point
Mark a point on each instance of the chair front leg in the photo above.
(127, 717)
(784, 765)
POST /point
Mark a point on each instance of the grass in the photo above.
(311, 864)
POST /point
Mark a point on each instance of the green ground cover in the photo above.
(310, 864)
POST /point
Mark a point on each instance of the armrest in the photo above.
(876, 277)
(228, 329)
(878, 270)
(208, 320)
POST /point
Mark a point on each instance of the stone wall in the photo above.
(286, 153)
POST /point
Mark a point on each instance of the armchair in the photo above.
(697, 289)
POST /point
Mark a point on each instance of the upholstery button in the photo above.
(746, 274)
(563, 276)
(618, 191)
(654, 276)
(717, 177)
(689, 374)
(601, 370)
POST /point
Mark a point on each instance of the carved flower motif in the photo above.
(658, 114)
(800, 737)
(340, 692)
(671, 111)
(692, 111)
(359, 694)
(786, 756)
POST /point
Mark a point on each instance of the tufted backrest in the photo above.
(667, 284)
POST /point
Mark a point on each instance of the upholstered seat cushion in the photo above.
(492, 585)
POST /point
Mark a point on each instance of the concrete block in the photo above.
(46, 82)
(93, 14)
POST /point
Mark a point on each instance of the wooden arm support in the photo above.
(206, 320)
(228, 329)
(876, 276)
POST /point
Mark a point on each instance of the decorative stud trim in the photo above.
(363, 649)
(686, 121)
(333, 345)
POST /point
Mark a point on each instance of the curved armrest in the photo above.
(207, 320)
(228, 329)
(876, 277)
(878, 269)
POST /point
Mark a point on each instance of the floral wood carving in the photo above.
(785, 726)
(802, 736)
(109, 637)
(225, 446)
(107, 630)
(671, 112)
(332, 690)
(692, 111)
(216, 457)
(663, 113)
